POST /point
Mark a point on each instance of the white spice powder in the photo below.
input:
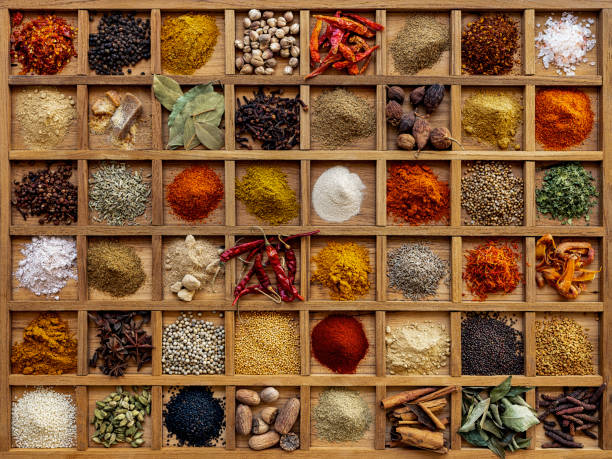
(47, 265)
(337, 194)
(43, 418)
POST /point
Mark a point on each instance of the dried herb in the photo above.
(166, 90)
(497, 421)
(567, 192)
(122, 339)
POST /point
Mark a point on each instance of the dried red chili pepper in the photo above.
(281, 276)
(315, 56)
(371, 24)
(347, 52)
(344, 23)
(262, 277)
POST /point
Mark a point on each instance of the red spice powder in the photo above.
(195, 193)
(339, 342)
(415, 195)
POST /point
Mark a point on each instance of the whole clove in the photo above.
(270, 119)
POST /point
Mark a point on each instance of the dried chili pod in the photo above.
(434, 95)
(416, 95)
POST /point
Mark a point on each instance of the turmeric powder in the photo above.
(48, 347)
(343, 269)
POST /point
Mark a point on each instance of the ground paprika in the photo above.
(415, 195)
(195, 193)
(339, 342)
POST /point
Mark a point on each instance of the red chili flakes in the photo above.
(489, 45)
(43, 46)
(16, 19)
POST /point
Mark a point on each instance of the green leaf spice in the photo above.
(497, 418)
(166, 90)
(567, 192)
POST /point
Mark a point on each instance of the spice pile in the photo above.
(564, 42)
(339, 342)
(417, 348)
(340, 117)
(44, 45)
(563, 118)
(116, 115)
(562, 348)
(346, 35)
(493, 118)
(47, 265)
(337, 194)
(267, 36)
(498, 419)
(492, 195)
(44, 418)
(45, 115)
(270, 425)
(253, 265)
(412, 128)
(192, 265)
(122, 339)
(114, 268)
(419, 44)
(48, 194)
(343, 268)
(119, 417)
(193, 346)
(415, 195)
(122, 40)
(269, 119)
(194, 416)
(187, 42)
(489, 45)
(416, 271)
(567, 192)
(574, 410)
(195, 116)
(48, 347)
(415, 420)
(492, 267)
(341, 415)
(490, 345)
(562, 266)
(117, 194)
(195, 193)
(266, 193)
(267, 343)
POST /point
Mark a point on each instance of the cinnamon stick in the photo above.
(432, 416)
(406, 397)
(421, 438)
(437, 394)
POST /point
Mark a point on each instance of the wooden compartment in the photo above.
(143, 125)
(367, 366)
(216, 63)
(595, 215)
(19, 169)
(17, 140)
(399, 319)
(144, 168)
(142, 247)
(169, 440)
(173, 168)
(318, 292)
(69, 292)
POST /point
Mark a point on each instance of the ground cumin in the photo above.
(48, 347)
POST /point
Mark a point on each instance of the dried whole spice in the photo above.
(440, 138)
(489, 45)
(434, 95)
(397, 94)
(420, 132)
(562, 348)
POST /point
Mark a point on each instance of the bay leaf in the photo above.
(175, 135)
(500, 391)
(214, 116)
(475, 414)
(190, 139)
(182, 101)
(211, 136)
(166, 90)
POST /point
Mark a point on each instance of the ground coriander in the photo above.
(341, 415)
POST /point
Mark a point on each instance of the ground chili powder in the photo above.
(339, 342)
(195, 193)
(415, 195)
(563, 117)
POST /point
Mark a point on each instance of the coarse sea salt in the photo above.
(565, 42)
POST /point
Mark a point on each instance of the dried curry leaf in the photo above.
(477, 412)
(495, 446)
(489, 426)
(166, 90)
(190, 140)
(500, 391)
(211, 136)
(518, 417)
(475, 438)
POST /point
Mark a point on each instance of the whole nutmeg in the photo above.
(288, 70)
(260, 71)
(416, 95)
(295, 51)
(248, 397)
(239, 44)
(405, 142)
(246, 69)
(294, 28)
(441, 139)
(285, 53)
(289, 442)
(267, 14)
(269, 395)
(433, 97)
(420, 132)
(239, 62)
(397, 94)
(406, 122)
(257, 61)
(293, 62)
(271, 63)
(254, 14)
(244, 419)
(269, 413)
(394, 113)
(259, 426)
(288, 16)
